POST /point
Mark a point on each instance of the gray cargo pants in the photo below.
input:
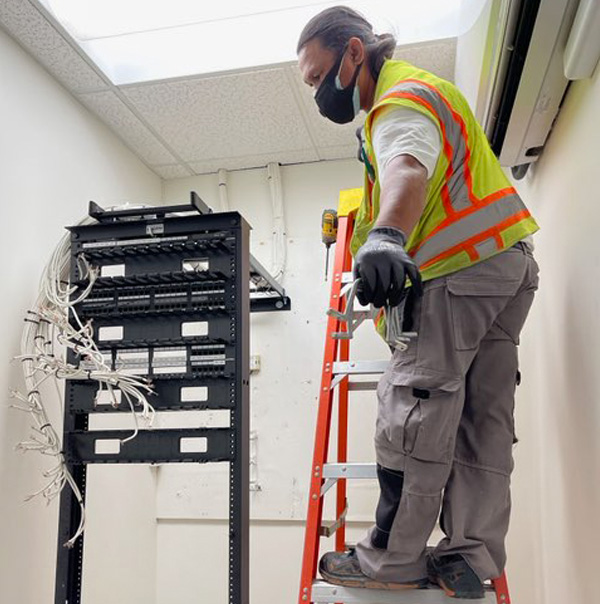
(445, 426)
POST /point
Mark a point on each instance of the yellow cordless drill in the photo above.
(329, 227)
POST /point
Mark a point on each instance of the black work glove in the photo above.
(382, 265)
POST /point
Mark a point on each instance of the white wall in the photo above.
(560, 394)
(54, 157)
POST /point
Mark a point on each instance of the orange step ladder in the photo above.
(335, 376)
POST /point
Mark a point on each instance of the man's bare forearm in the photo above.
(403, 194)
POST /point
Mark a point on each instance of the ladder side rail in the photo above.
(342, 448)
(342, 452)
(501, 588)
(322, 432)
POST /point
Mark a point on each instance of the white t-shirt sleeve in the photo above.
(402, 130)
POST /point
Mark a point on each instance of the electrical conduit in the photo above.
(279, 254)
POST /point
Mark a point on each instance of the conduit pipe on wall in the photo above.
(279, 235)
(223, 193)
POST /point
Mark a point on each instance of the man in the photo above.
(439, 211)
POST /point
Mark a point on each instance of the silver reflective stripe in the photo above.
(486, 248)
(457, 186)
(469, 226)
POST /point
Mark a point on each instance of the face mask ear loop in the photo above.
(338, 83)
(356, 91)
(356, 96)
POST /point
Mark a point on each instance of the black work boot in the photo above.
(454, 575)
(342, 568)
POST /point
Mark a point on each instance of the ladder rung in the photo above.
(362, 385)
(354, 315)
(326, 592)
(359, 367)
(348, 277)
(349, 470)
(353, 320)
(329, 529)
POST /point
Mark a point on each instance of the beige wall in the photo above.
(54, 157)
(559, 401)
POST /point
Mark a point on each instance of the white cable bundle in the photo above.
(45, 326)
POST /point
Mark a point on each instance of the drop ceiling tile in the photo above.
(243, 114)
(115, 113)
(253, 161)
(172, 171)
(339, 152)
(25, 23)
(438, 57)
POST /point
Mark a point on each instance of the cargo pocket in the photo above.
(396, 405)
(475, 305)
(435, 428)
(418, 415)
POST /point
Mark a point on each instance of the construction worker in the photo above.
(439, 211)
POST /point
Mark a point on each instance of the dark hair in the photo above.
(334, 26)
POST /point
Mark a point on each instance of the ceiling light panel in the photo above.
(136, 40)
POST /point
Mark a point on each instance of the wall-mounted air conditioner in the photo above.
(510, 66)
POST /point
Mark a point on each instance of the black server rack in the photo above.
(172, 302)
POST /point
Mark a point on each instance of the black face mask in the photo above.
(338, 104)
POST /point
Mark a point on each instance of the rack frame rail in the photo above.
(164, 270)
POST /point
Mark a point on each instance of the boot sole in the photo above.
(370, 583)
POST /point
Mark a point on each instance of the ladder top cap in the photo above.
(350, 200)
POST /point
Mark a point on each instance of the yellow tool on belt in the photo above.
(329, 228)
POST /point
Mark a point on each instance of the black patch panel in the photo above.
(171, 305)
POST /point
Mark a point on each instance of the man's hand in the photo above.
(382, 265)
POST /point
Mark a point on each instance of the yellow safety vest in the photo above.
(471, 212)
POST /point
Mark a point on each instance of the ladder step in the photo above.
(359, 367)
(350, 470)
(362, 385)
(326, 592)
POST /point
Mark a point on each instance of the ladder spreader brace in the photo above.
(336, 371)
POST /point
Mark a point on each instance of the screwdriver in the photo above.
(329, 227)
